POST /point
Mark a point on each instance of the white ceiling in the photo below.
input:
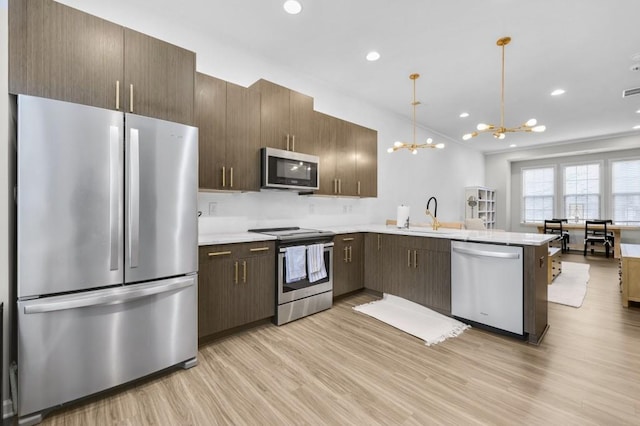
(583, 46)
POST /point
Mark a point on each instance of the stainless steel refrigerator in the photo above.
(106, 250)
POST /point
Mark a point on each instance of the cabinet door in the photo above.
(326, 128)
(243, 138)
(211, 101)
(434, 267)
(259, 280)
(62, 53)
(301, 122)
(347, 261)
(346, 158)
(159, 78)
(374, 261)
(366, 162)
(274, 115)
(217, 290)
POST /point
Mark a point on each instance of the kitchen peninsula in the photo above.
(415, 263)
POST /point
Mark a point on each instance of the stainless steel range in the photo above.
(302, 297)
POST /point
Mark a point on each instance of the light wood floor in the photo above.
(342, 367)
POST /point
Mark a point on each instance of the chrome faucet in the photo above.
(434, 217)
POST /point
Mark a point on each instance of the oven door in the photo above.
(288, 292)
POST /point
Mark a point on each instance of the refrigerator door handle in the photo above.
(114, 297)
(134, 199)
(114, 196)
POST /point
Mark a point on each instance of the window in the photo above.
(625, 192)
(582, 191)
(537, 194)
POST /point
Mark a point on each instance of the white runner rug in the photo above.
(570, 286)
(413, 318)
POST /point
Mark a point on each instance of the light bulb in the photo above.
(532, 122)
(502, 136)
(467, 136)
(429, 141)
(482, 126)
(397, 144)
(390, 150)
(414, 152)
(292, 7)
(439, 145)
(539, 129)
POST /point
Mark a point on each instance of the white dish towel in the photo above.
(315, 260)
(296, 263)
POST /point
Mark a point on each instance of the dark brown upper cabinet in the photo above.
(228, 117)
(366, 161)
(286, 118)
(59, 52)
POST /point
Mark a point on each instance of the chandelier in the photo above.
(499, 131)
(413, 147)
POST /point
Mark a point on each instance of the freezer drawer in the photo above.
(75, 345)
(487, 285)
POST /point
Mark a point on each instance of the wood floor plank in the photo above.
(343, 367)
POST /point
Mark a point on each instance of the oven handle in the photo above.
(326, 245)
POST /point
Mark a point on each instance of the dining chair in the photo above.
(595, 231)
(554, 226)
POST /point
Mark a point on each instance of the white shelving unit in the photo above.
(485, 204)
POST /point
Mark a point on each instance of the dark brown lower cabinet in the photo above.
(347, 263)
(236, 286)
(414, 268)
(374, 260)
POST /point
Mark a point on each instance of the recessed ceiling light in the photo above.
(373, 56)
(638, 111)
(292, 7)
(513, 145)
(464, 115)
(636, 127)
(557, 92)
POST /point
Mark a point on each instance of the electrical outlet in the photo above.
(345, 209)
(213, 208)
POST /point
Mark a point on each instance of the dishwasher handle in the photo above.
(485, 253)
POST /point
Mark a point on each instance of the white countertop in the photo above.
(484, 236)
(630, 250)
(232, 237)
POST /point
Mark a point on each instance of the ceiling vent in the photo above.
(631, 92)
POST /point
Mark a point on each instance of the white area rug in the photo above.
(413, 318)
(570, 286)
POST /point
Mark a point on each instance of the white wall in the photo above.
(499, 173)
(5, 241)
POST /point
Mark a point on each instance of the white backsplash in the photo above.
(237, 212)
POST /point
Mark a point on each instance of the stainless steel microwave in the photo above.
(289, 170)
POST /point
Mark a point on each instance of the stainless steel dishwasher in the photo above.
(487, 285)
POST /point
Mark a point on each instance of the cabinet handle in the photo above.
(235, 279)
(117, 94)
(293, 143)
(348, 239)
(259, 249)
(379, 246)
(408, 258)
(415, 258)
(219, 253)
(339, 186)
(346, 256)
(224, 176)
(230, 177)
(335, 186)
(131, 98)
(244, 271)
(358, 187)
(350, 254)
(287, 141)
